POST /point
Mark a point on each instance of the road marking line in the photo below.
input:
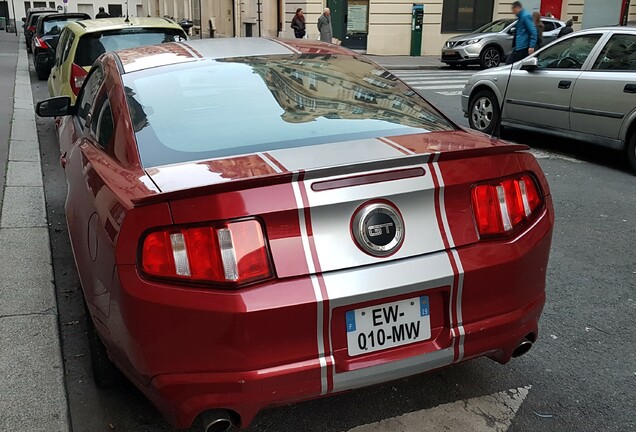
(436, 81)
(439, 87)
(490, 413)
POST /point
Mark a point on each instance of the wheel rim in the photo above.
(491, 58)
(482, 113)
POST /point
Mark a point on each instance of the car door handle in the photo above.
(629, 88)
(565, 84)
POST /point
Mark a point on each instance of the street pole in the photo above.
(15, 19)
(200, 21)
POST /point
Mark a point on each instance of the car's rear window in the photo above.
(54, 26)
(92, 45)
(209, 109)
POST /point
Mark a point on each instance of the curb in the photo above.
(32, 388)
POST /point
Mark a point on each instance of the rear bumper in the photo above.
(461, 55)
(43, 59)
(190, 350)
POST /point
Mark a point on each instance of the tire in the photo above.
(484, 111)
(490, 57)
(630, 148)
(105, 373)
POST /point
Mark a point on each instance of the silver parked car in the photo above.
(582, 87)
(489, 45)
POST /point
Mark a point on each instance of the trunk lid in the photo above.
(309, 197)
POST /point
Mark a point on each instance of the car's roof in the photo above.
(105, 24)
(210, 49)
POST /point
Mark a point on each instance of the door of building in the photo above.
(115, 10)
(4, 11)
(350, 22)
(552, 6)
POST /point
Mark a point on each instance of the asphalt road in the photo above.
(580, 376)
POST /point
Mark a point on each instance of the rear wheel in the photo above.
(483, 111)
(630, 148)
(104, 371)
(490, 57)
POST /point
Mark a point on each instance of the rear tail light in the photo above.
(234, 253)
(501, 207)
(78, 75)
(40, 43)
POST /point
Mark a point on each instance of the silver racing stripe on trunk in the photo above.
(332, 212)
(334, 154)
(458, 284)
(296, 185)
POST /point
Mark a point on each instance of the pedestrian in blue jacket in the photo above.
(525, 34)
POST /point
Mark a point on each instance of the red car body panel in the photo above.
(191, 348)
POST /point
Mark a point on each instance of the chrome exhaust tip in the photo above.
(217, 421)
(523, 347)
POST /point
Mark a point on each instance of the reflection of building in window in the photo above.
(364, 95)
(336, 87)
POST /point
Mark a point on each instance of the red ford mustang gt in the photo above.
(258, 222)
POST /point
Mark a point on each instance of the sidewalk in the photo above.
(32, 387)
(429, 62)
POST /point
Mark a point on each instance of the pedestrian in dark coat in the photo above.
(102, 13)
(536, 17)
(298, 24)
(567, 29)
(324, 26)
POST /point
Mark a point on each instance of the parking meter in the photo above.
(417, 23)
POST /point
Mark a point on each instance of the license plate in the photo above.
(388, 325)
(450, 53)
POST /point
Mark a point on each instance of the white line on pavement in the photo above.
(490, 413)
(439, 87)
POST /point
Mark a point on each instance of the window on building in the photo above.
(115, 10)
(27, 6)
(52, 4)
(38, 4)
(465, 15)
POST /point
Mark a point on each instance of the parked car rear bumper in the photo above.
(190, 350)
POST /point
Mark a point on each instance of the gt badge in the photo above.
(378, 229)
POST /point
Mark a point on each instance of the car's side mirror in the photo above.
(55, 107)
(530, 64)
(512, 30)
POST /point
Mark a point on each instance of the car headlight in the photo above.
(470, 41)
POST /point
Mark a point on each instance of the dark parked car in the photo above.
(44, 40)
(31, 20)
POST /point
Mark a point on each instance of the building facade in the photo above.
(381, 27)
(113, 7)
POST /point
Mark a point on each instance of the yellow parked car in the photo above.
(82, 42)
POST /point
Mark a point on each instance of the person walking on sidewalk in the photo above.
(525, 34)
(536, 18)
(324, 26)
(102, 13)
(298, 24)
(567, 29)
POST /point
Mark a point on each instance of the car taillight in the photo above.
(78, 75)
(501, 207)
(233, 253)
(40, 43)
